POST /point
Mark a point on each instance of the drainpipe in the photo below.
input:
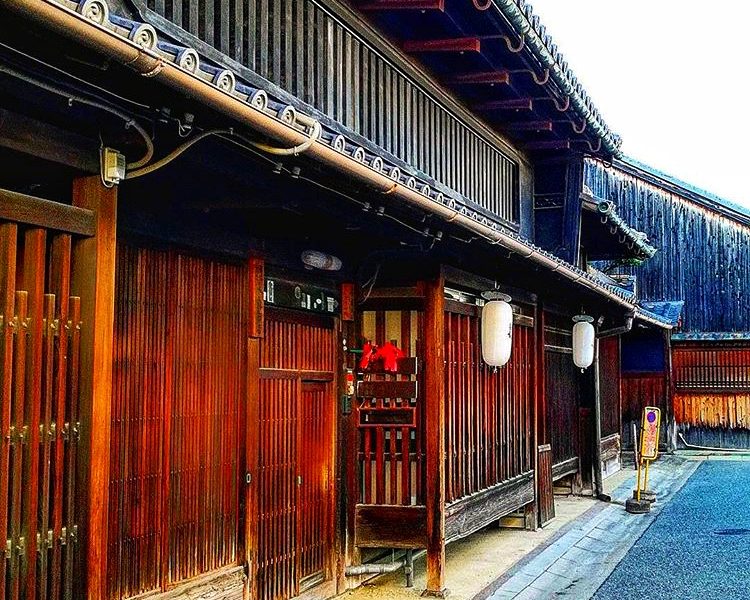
(381, 568)
(598, 478)
(150, 63)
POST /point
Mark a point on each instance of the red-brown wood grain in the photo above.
(176, 453)
(489, 412)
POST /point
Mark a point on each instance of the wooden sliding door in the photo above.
(296, 428)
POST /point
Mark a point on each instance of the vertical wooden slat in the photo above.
(33, 282)
(73, 330)
(18, 417)
(8, 243)
(59, 284)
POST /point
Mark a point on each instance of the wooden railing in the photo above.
(306, 49)
(40, 359)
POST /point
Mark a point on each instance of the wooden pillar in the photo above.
(669, 418)
(256, 323)
(348, 432)
(434, 399)
(93, 279)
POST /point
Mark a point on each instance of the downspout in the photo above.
(598, 477)
(150, 64)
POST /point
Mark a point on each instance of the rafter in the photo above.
(465, 44)
(485, 77)
(512, 104)
(385, 5)
(529, 126)
(549, 145)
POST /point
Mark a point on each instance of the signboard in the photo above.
(650, 433)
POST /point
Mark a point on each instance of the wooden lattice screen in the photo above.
(40, 330)
(296, 431)
(177, 446)
(389, 416)
(489, 412)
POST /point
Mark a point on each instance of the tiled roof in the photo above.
(712, 336)
(636, 240)
(668, 311)
(520, 15)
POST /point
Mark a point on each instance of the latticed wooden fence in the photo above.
(40, 333)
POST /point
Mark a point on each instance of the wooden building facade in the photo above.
(698, 280)
(189, 405)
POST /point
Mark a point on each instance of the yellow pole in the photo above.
(638, 485)
(645, 480)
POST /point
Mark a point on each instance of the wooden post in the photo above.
(434, 398)
(347, 458)
(93, 279)
(256, 322)
(669, 419)
(598, 475)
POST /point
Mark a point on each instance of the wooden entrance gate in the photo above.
(296, 417)
(40, 332)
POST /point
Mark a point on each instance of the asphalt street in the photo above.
(699, 545)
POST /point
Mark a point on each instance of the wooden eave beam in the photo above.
(517, 104)
(385, 5)
(529, 126)
(488, 77)
(23, 134)
(465, 44)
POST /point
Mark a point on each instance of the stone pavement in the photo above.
(578, 559)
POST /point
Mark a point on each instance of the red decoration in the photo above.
(388, 353)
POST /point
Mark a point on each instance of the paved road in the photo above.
(699, 545)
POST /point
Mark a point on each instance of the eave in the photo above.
(629, 243)
(138, 45)
(497, 57)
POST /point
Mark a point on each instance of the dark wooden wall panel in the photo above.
(703, 258)
(609, 385)
(307, 51)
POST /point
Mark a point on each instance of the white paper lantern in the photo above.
(584, 335)
(497, 329)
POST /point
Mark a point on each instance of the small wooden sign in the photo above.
(650, 433)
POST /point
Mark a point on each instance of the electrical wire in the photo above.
(71, 76)
(129, 121)
(150, 168)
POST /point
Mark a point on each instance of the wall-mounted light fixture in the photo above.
(320, 260)
(583, 341)
(497, 329)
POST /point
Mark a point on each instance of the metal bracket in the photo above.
(52, 326)
(44, 542)
(248, 478)
(8, 549)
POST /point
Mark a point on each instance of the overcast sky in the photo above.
(671, 77)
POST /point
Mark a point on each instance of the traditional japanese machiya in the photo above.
(250, 251)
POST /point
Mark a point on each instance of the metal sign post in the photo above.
(649, 451)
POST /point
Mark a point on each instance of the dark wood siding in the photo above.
(309, 52)
(703, 257)
(609, 385)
